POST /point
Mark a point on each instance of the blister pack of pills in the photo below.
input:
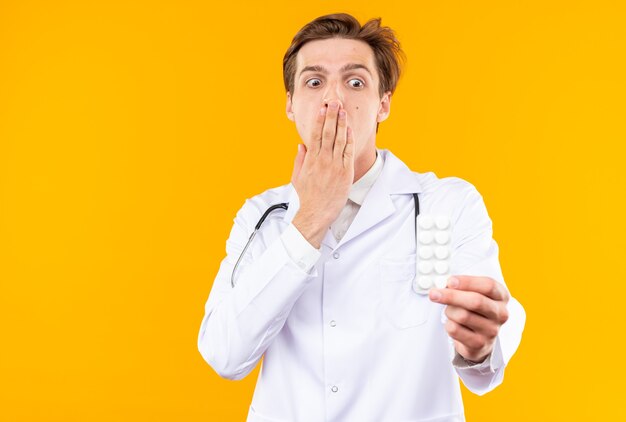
(433, 252)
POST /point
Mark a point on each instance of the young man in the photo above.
(333, 291)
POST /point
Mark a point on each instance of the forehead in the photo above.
(333, 53)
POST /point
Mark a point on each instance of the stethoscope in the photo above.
(285, 206)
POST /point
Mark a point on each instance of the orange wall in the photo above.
(132, 131)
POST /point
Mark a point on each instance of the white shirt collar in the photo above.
(361, 187)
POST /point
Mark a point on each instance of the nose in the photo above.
(333, 93)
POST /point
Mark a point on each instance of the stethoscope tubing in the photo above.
(285, 206)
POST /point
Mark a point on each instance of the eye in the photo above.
(356, 83)
(312, 83)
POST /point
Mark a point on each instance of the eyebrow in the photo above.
(346, 68)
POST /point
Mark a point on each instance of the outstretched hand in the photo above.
(476, 310)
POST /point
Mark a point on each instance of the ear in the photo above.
(384, 108)
(289, 108)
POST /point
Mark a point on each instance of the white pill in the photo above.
(441, 282)
(441, 252)
(442, 237)
(425, 282)
(441, 267)
(426, 237)
(426, 222)
(425, 267)
(426, 252)
(442, 222)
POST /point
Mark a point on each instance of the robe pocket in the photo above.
(402, 306)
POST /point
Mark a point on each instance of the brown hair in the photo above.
(382, 40)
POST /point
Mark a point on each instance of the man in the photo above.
(325, 290)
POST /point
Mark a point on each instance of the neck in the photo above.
(363, 163)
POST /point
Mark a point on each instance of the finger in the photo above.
(330, 128)
(348, 152)
(471, 301)
(484, 285)
(472, 321)
(297, 164)
(315, 143)
(340, 138)
(467, 337)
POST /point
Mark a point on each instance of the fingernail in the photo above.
(322, 111)
(334, 105)
(453, 282)
(342, 114)
(435, 295)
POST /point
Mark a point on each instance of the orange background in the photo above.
(132, 131)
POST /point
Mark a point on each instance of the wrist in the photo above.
(475, 361)
(313, 231)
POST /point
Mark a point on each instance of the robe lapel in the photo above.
(395, 178)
